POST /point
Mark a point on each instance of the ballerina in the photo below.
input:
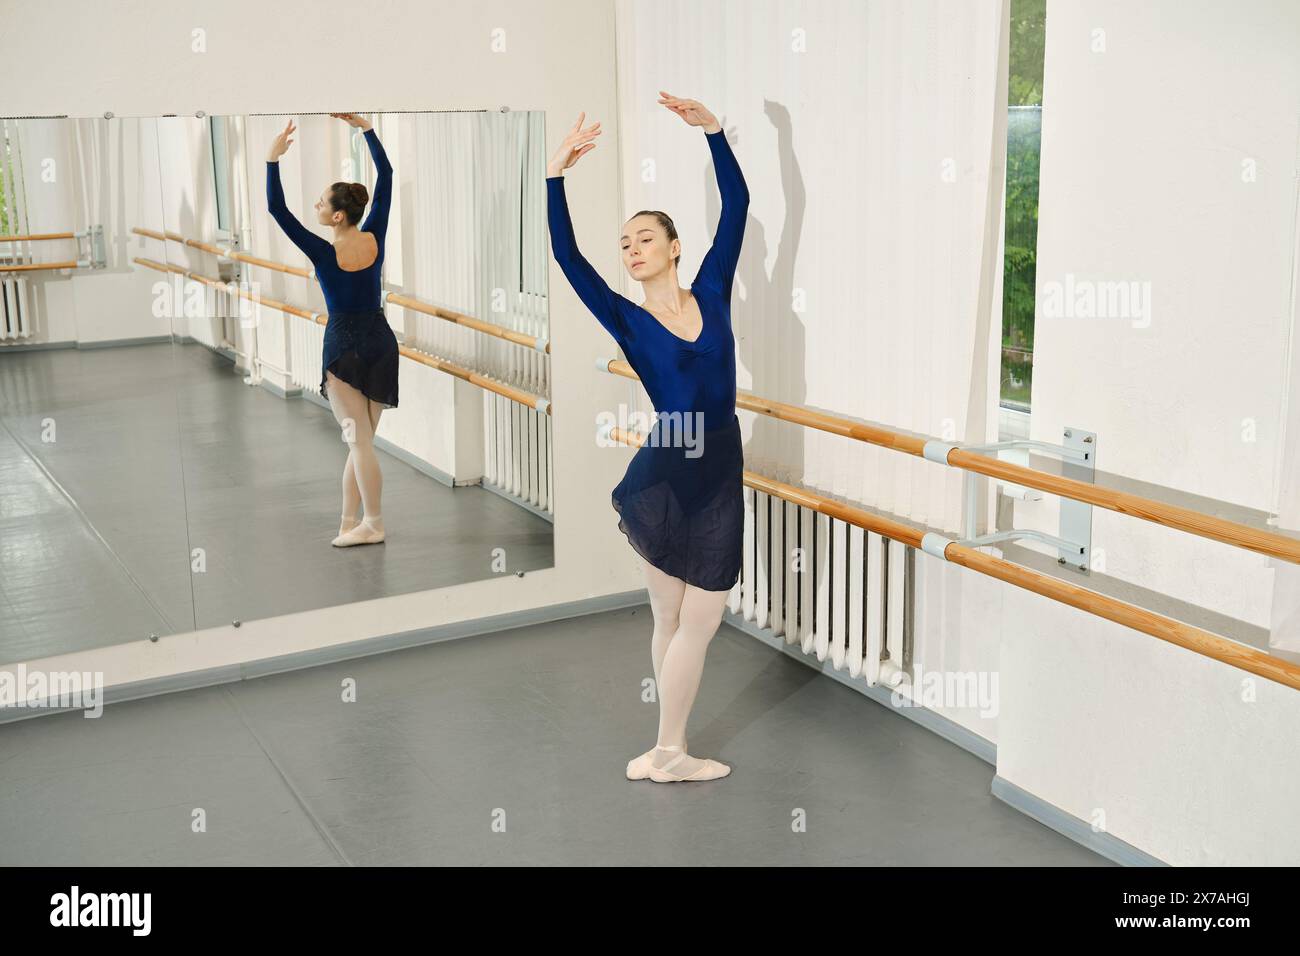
(359, 360)
(682, 512)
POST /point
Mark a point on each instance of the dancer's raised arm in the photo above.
(312, 245)
(719, 266)
(377, 220)
(595, 294)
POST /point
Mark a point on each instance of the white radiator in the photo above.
(14, 323)
(852, 601)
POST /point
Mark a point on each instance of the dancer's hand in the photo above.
(280, 145)
(692, 111)
(577, 143)
(352, 119)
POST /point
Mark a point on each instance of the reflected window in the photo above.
(221, 174)
(532, 196)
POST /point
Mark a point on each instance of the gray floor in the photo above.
(531, 726)
(160, 449)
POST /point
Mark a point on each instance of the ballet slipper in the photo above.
(708, 769)
(346, 524)
(638, 768)
(364, 533)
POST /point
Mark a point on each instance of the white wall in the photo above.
(1143, 147)
(281, 58)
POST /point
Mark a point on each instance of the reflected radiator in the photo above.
(517, 450)
(14, 322)
(834, 589)
(306, 345)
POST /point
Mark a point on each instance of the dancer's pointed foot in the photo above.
(369, 531)
(674, 765)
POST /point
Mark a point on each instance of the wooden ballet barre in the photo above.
(39, 237)
(424, 358)
(519, 338)
(1167, 629)
(35, 266)
(230, 253)
(229, 287)
(405, 301)
(224, 251)
(1171, 516)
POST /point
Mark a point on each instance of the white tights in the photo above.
(686, 618)
(363, 482)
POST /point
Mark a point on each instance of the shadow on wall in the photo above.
(776, 293)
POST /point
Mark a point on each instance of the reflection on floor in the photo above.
(507, 748)
(159, 450)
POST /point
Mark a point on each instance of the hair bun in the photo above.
(349, 199)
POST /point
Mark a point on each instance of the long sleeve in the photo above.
(719, 266)
(586, 281)
(377, 221)
(311, 244)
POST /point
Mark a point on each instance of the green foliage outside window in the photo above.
(1024, 138)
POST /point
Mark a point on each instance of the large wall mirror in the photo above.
(169, 459)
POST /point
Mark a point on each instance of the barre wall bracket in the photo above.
(228, 267)
(1073, 541)
(1076, 516)
(95, 253)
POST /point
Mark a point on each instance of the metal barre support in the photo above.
(1073, 544)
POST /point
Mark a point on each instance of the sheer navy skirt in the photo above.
(683, 511)
(361, 349)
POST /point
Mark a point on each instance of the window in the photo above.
(1024, 137)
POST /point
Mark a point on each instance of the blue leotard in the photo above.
(679, 376)
(359, 346)
(344, 291)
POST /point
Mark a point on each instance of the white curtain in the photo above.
(477, 241)
(1284, 634)
(872, 137)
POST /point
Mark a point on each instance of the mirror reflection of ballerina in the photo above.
(359, 363)
(682, 508)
